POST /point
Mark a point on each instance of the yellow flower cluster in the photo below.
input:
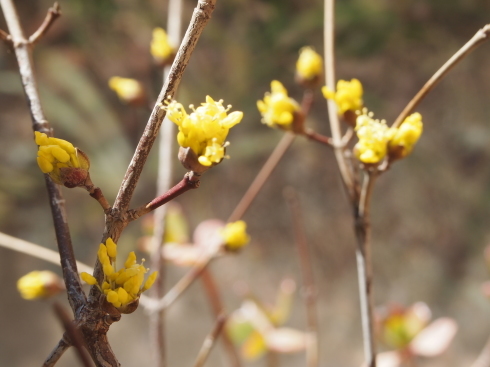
(376, 139)
(348, 95)
(406, 136)
(124, 286)
(309, 64)
(55, 155)
(39, 284)
(277, 109)
(205, 129)
(235, 235)
(128, 90)
(160, 47)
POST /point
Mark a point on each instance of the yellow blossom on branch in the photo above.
(309, 65)
(122, 287)
(347, 97)
(373, 139)
(235, 235)
(204, 131)
(277, 109)
(161, 49)
(65, 164)
(128, 90)
(406, 136)
(39, 284)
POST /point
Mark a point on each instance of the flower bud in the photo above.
(128, 90)
(162, 51)
(39, 284)
(309, 68)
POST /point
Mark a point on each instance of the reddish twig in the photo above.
(210, 341)
(480, 37)
(5, 37)
(72, 333)
(309, 289)
(314, 136)
(97, 194)
(56, 353)
(53, 14)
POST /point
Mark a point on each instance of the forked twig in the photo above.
(53, 14)
(480, 37)
(210, 340)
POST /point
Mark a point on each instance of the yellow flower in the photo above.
(160, 47)
(310, 64)
(348, 95)
(39, 284)
(235, 235)
(65, 164)
(373, 139)
(205, 129)
(128, 90)
(277, 109)
(124, 286)
(406, 136)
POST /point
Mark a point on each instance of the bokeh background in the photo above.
(430, 212)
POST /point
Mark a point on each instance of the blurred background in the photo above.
(430, 211)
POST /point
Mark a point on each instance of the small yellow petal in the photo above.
(87, 278)
(111, 248)
(151, 279)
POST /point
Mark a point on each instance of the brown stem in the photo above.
(210, 341)
(184, 185)
(200, 17)
(362, 229)
(314, 136)
(53, 14)
(483, 359)
(5, 37)
(309, 289)
(76, 296)
(56, 353)
(262, 176)
(97, 194)
(73, 335)
(480, 37)
(218, 308)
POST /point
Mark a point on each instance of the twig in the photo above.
(364, 268)
(347, 179)
(262, 176)
(5, 37)
(165, 164)
(218, 309)
(56, 353)
(210, 340)
(73, 335)
(32, 249)
(97, 194)
(319, 138)
(483, 359)
(309, 289)
(53, 14)
(200, 17)
(480, 37)
(184, 185)
(76, 296)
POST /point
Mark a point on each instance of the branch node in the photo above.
(53, 13)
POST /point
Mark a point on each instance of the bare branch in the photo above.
(309, 289)
(209, 342)
(97, 194)
(53, 14)
(32, 249)
(5, 37)
(262, 176)
(56, 353)
(201, 16)
(68, 263)
(480, 37)
(73, 335)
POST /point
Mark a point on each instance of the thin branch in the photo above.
(5, 37)
(184, 185)
(165, 164)
(97, 194)
(309, 289)
(262, 176)
(73, 335)
(210, 340)
(218, 308)
(329, 24)
(319, 138)
(68, 263)
(483, 359)
(480, 37)
(200, 17)
(32, 249)
(53, 14)
(56, 353)
(364, 268)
